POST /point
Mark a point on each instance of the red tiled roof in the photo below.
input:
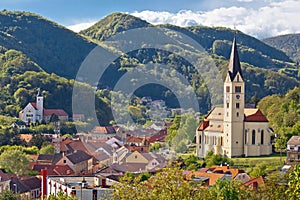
(34, 105)
(225, 170)
(134, 139)
(203, 125)
(53, 169)
(58, 112)
(104, 129)
(256, 116)
(212, 176)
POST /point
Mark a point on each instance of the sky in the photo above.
(258, 18)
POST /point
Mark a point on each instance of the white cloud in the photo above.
(81, 26)
(271, 20)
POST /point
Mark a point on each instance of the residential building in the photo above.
(4, 181)
(29, 187)
(79, 161)
(87, 187)
(293, 150)
(234, 130)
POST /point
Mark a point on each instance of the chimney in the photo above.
(44, 183)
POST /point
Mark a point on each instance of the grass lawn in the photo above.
(272, 162)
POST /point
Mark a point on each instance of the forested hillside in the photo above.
(20, 79)
(39, 53)
(290, 44)
(266, 69)
(53, 47)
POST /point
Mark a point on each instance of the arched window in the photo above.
(253, 136)
(262, 137)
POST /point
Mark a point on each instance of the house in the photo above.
(70, 145)
(87, 187)
(53, 170)
(104, 132)
(236, 174)
(293, 150)
(137, 162)
(29, 187)
(19, 125)
(254, 183)
(35, 112)
(48, 159)
(4, 181)
(207, 178)
(78, 117)
(234, 130)
(79, 161)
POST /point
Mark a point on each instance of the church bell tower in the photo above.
(234, 104)
(39, 105)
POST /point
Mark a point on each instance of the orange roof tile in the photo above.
(212, 176)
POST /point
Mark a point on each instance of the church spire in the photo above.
(234, 62)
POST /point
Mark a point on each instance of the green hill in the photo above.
(290, 44)
(20, 79)
(262, 64)
(112, 24)
(39, 53)
(55, 48)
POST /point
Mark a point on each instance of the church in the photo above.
(234, 130)
(35, 112)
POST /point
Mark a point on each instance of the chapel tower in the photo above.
(234, 104)
(39, 106)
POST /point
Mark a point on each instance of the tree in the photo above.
(228, 190)
(9, 195)
(38, 140)
(216, 159)
(14, 161)
(294, 183)
(48, 149)
(170, 183)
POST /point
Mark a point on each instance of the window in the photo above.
(262, 137)
(227, 105)
(237, 105)
(221, 141)
(253, 136)
(245, 136)
(238, 89)
(238, 78)
(227, 89)
(237, 114)
(65, 161)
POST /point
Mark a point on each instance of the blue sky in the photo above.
(260, 18)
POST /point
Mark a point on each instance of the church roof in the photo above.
(34, 105)
(254, 115)
(214, 119)
(234, 62)
(58, 112)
